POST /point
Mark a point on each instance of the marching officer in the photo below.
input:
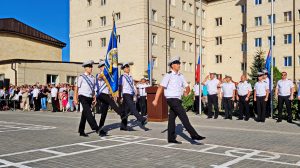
(104, 98)
(212, 84)
(142, 95)
(284, 91)
(261, 93)
(85, 94)
(128, 91)
(244, 90)
(228, 95)
(268, 103)
(196, 101)
(174, 84)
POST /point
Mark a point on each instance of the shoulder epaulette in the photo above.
(169, 72)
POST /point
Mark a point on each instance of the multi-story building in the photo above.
(232, 31)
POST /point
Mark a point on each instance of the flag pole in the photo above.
(272, 53)
(149, 44)
(200, 66)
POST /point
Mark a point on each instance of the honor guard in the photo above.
(212, 84)
(228, 95)
(196, 93)
(84, 92)
(142, 96)
(174, 84)
(268, 104)
(104, 98)
(261, 93)
(284, 91)
(244, 90)
(128, 91)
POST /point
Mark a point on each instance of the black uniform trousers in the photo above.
(37, 103)
(288, 104)
(54, 104)
(196, 104)
(213, 100)
(176, 109)
(87, 114)
(243, 107)
(128, 106)
(261, 108)
(106, 101)
(228, 106)
(268, 107)
(143, 105)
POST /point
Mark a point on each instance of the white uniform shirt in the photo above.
(83, 87)
(227, 89)
(102, 86)
(174, 84)
(212, 86)
(54, 91)
(62, 89)
(243, 88)
(196, 89)
(261, 88)
(284, 87)
(267, 81)
(127, 84)
(35, 92)
(141, 87)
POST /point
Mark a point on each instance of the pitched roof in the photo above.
(13, 26)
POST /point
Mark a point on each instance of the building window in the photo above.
(118, 16)
(103, 20)
(198, 11)
(155, 61)
(288, 16)
(203, 50)
(269, 40)
(154, 38)
(183, 25)
(89, 43)
(184, 5)
(71, 80)
(173, 2)
(172, 42)
(244, 28)
(271, 0)
(184, 65)
(89, 2)
(218, 59)
(103, 2)
(154, 15)
(103, 42)
(89, 23)
(243, 66)
(288, 39)
(53, 79)
(172, 21)
(190, 27)
(2, 77)
(198, 29)
(218, 40)
(203, 14)
(119, 38)
(244, 47)
(257, 2)
(299, 37)
(198, 48)
(288, 61)
(244, 8)
(184, 47)
(191, 67)
(191, 8)
(219, 21)
(299, 60)
(191, 47)
(258, 21)
(270, 19)
(258, 42)
(203, 31)
(299, 13)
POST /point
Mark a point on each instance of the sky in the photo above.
(48, 16)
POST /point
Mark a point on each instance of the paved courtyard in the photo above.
(44, 139)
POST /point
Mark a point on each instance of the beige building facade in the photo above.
(228, 34)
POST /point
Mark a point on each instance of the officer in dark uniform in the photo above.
(142, 96)
(104, 98)
(84, 92)
(174, 84)
(128, 91)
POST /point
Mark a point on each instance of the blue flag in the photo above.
(111, 72)
(268, 66)
(150, 68)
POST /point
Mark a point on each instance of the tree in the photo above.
(257, 65)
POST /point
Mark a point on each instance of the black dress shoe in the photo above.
(279, 120)
(102, 133)
(289, 121)
(174, 141)
(209, 117)
(216, 117)
(83, 134)
(225, 118)
(144, 122)
(246, 119)
(240, 119)
(198, 138)
(124, 129)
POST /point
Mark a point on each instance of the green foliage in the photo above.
(188, 101)
(257, 65)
